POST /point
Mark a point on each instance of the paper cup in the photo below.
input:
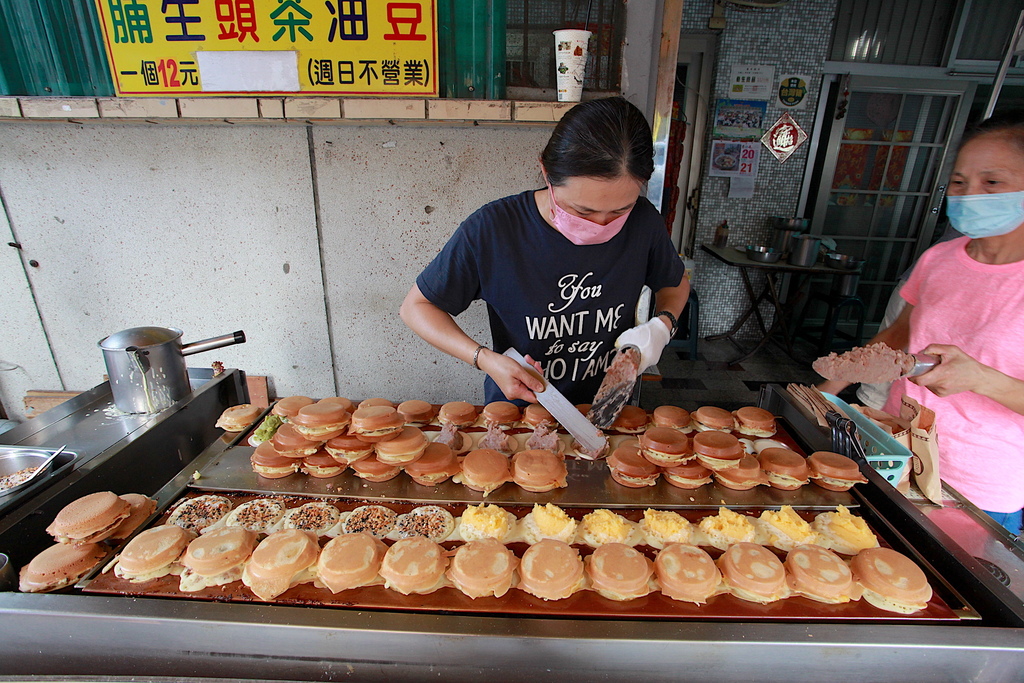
(570, 62)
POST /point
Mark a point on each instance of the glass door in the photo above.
(884, 175)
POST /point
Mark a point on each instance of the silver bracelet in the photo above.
(476, 356)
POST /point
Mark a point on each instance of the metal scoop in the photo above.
(923, 362)
(616, 388)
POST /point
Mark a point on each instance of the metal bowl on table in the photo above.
(842, 261)
(763, 254)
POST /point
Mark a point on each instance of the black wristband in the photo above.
(671, 319)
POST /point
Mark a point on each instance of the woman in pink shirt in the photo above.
(965, 304)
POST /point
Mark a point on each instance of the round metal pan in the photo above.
(11, 462)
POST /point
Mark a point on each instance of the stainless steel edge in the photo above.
(118, 452)
(960, 547)
(142, 637)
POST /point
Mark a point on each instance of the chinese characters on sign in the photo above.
(751, 81)
(784, 137)
(793, 92)
(316, 47)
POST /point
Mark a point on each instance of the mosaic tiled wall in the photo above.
(795, 39)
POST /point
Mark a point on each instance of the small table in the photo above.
(738, 259)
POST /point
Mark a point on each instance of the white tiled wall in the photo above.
(793, 38)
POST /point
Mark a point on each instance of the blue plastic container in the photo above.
(887, 455)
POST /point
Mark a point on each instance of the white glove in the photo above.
(651, 338)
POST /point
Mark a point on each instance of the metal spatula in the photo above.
(616, 388)
(563, 411)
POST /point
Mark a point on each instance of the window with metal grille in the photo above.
(912, 32)
(530, 44)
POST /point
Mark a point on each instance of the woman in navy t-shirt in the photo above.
(560, 268)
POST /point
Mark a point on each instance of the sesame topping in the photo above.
(256, 515)
(16, 479)
(195, 514)
(375, 520)
(317, 517)
(428, 521)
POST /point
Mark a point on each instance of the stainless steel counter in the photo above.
(111, 636)
(987, 550)
(115, 451)
(78, 635)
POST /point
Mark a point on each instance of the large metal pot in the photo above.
(146, 366)
(786, 229)
(804, 250)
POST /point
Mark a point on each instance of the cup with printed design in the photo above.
(570, 62)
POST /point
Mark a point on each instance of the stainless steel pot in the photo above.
(794, 224)
(846, 285)
(786, 229)
(804, 251)
(146, 366)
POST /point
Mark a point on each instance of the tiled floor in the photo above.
(711, 380)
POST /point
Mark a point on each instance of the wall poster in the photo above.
(734, 159)
(752, 81)
(739, 119)
(784, 137)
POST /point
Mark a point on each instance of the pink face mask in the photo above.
(581, 231)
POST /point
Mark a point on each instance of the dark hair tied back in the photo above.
(607, 138)
(1009, 123)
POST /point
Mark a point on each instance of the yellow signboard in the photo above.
(231, 47)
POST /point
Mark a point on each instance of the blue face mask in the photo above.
(986, 215)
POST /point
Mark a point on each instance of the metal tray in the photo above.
(584, 604)
(15, 458)
(589, 485)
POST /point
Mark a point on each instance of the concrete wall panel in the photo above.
(205, 228)
(25, 360)
(389, 200)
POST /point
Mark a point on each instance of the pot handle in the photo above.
(213, 343)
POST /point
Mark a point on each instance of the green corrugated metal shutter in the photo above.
(52, 48)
